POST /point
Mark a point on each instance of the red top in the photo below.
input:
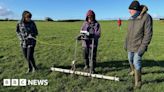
(119, 22)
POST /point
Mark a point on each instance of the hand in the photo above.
(125, 49)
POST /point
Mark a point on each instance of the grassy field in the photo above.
(111, 59)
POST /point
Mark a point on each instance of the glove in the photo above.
(142, 50)
(79, 37)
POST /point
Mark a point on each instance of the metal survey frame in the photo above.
(79, 72)
(82, 33)
(72, 71)
(91, 57)
(85, 74)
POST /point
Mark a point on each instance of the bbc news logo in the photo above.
(24, 82)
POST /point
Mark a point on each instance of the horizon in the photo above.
(65, 10)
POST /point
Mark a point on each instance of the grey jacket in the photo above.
(140, 31)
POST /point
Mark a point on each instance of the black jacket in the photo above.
(24, 30)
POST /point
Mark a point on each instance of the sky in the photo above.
(75, 9)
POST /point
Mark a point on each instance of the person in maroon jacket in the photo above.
(91, 26)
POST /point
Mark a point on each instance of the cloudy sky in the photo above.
(75, 9)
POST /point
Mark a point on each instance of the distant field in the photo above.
(111, 59)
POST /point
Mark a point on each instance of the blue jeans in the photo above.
(135, 59)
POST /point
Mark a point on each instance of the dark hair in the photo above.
(24, 13)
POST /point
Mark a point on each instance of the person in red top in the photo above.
(119, 22)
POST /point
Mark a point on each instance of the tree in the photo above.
(48, 19)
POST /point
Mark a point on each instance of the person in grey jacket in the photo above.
(93, 27)
(139, 35)
(27, 32)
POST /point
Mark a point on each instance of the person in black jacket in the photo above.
(27, 32)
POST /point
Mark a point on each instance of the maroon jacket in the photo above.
(97, 32)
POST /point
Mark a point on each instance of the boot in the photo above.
(86, 62)
(28, 71)
(35, 69)
(138, 83)
(34, 65)
(86, 67)
(92, 71)
(131, 70)
(86, 59)
(29, 67)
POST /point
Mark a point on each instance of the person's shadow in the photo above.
(118, 65)
(107, 66)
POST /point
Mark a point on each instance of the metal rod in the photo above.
(85, 74)
(75, 52)
(91, 56)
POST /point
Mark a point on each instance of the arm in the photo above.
(35, 33)
(83, 32)
(125, 44)
(18, 32)
(148, 32)
(98, 31)
(36, 30)
(83, 27)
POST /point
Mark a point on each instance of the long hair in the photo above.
(23, 15)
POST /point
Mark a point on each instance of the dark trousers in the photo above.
(87, 54)
(29, 55)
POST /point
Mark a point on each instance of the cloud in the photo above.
(5, 12)
(156, 15)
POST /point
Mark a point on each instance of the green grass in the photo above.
(111, 59)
